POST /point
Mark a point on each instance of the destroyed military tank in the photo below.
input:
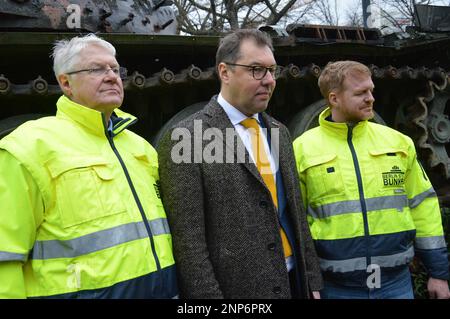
(171, 76)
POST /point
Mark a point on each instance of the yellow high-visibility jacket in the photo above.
(80, 210)
(369, 202)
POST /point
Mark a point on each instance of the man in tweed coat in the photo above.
(225, 221)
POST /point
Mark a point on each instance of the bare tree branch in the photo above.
(209, 16)
(275, 17)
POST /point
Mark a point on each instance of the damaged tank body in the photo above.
(172, 76)
(125, 16)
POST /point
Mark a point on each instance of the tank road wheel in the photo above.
(9, 124)
(308, 118)
(427, 121)
(184, 113)
(438, 124)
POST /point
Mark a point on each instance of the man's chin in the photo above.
(113, 103)
(370, 116)
(262, 106)
(367, 115)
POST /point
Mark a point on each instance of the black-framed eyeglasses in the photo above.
(259, 71)
(118, 71)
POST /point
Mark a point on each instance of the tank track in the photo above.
(425, 120)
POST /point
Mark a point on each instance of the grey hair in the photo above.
(66, 52)
(229, 46)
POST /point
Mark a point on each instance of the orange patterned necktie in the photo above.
(263, 166)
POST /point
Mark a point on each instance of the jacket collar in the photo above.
(217, 117)
(93, 120)
(340, 129)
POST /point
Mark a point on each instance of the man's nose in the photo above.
(268, 79)
(370, 98)
(111, 76)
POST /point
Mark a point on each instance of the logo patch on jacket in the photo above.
(393, 178)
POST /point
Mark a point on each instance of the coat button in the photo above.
(271, 246)
(277, 290)
(263, 204)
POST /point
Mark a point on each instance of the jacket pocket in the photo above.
(388, 168)
(323, 176)
(147, 182)
(85, 189)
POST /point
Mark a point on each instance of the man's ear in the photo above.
(223, 72)
(332, 99)
(64, 83)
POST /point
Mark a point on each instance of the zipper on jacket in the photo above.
(361, 193)
(136, 198)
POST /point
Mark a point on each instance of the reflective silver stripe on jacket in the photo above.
(354, 206)
(434, 242)
(394, 260)
(345, 265)
(103, 239)
(5, 256)
(360, 263)
(416, 200)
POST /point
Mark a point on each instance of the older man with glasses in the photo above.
(80, 210)
(238, 226)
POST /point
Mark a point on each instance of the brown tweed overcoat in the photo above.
(224, 226)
